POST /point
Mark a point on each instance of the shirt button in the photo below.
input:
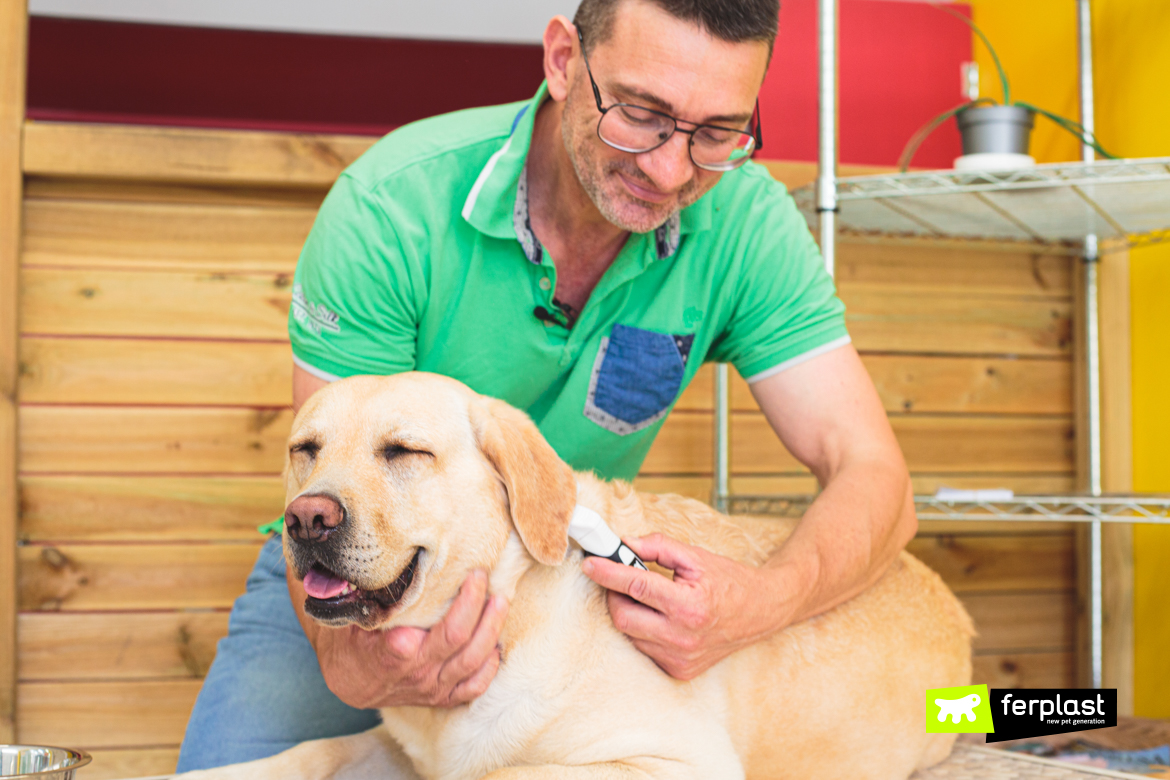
(545, 283)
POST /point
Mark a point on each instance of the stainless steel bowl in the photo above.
(40, 762)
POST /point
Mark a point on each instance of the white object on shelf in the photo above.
(968, 496)
(993, 161)
(969, 75)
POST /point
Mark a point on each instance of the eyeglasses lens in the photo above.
(721, 149)
(635, 129)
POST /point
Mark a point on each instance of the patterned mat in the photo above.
(970, 762)
(974, 762)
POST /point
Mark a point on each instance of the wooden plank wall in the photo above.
(1117, 475)
(154, 385)
(13, 38)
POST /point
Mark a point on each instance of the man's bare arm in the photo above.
(450, 664)
(304, 385)
(828, 414)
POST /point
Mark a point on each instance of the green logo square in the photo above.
(962, 710)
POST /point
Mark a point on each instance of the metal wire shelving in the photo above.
(1053, 206)
(1021, 509)
(1084, 208)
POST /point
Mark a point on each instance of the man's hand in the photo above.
(713, 607)
(448, 665)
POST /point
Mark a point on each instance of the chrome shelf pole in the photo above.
(721, 490)
(826, 211)
(1092, 361)
(827, 130)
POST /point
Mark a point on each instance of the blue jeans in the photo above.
(264, 692)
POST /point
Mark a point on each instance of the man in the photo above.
(578, 255)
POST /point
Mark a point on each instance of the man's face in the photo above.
(655, 60)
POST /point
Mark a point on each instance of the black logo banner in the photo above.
(1036, 712)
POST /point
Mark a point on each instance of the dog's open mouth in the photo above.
(330, 598)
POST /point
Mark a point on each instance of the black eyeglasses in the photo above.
(637, 129)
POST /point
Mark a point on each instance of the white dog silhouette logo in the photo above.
(957, 708)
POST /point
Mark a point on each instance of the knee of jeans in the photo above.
(265, 603)
(272, 556)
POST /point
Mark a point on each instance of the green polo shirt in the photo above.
(422, 258)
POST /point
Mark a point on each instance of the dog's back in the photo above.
(842, 694)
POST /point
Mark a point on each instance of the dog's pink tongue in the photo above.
(320, 585)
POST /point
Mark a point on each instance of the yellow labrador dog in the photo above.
(410, 482)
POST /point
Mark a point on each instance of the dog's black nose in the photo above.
(313, 518)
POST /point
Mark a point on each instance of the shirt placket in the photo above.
(633, 259)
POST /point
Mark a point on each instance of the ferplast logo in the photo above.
(962, 710)
(1036, 712)
(1004, 714)
(1087, 708)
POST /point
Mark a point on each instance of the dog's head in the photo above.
(398, 487)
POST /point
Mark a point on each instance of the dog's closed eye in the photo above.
(395, 450)
(310, 448)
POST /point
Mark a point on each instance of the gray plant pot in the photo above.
(996, 129)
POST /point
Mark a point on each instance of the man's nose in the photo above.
(313, 518)
(669, 166)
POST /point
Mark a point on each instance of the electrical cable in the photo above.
(1003, 79)
(1076, 128)
(924, 132)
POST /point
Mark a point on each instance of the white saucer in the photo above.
(993, 162)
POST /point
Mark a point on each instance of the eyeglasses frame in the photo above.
(756, 134)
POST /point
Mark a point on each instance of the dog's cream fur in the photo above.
(839, 696)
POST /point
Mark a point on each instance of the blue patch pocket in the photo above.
(636, 377)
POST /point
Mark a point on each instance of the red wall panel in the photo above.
(899, 67)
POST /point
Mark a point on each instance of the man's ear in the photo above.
(560, 40)
(542, 491)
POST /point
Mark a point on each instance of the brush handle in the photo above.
(623, 555)
(590, 531)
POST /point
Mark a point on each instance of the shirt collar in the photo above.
(498, 202)
(489, 204)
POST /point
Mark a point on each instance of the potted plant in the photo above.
(995, 136)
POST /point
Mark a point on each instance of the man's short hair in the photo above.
(730, 20)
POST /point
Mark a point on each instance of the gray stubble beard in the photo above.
(579, 147)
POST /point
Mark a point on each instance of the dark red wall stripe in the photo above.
(241, 77)
(899, 67)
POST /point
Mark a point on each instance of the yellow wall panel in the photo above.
(1133, 61)
(1150, 282)
(1038, 45)
(1036, 42)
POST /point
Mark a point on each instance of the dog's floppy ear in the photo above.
(541, 489)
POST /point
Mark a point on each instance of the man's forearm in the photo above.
(846, 540)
